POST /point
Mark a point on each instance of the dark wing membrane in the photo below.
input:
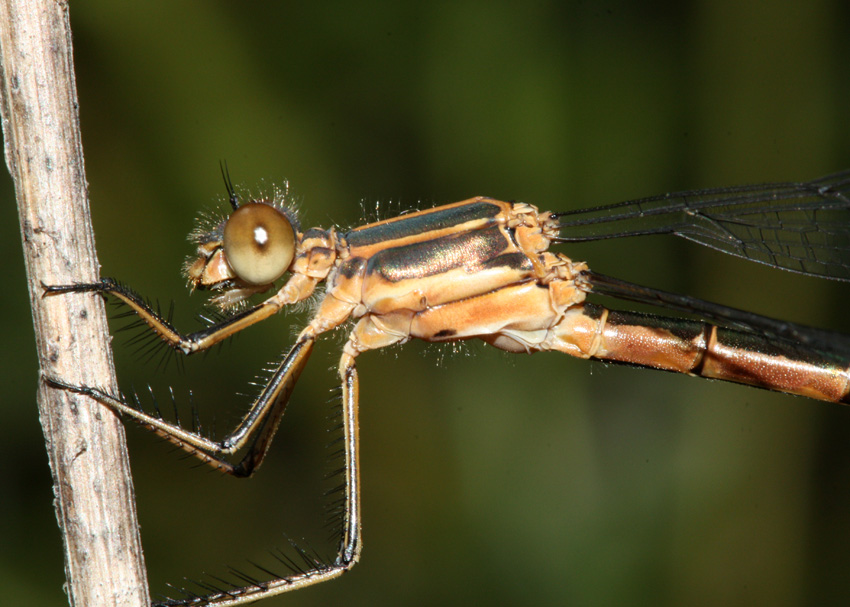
(801, 227)
(830, 343)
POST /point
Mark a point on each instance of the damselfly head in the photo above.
(244, 253)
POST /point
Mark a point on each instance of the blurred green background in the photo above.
(488, 479)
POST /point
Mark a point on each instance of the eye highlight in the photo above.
(259, 243)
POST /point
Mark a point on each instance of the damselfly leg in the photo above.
(253, 434)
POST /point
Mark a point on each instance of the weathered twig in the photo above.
(85, 442)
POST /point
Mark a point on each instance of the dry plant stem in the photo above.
(85, 442)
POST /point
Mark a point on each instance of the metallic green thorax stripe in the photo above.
(418, 223)
(467, 249)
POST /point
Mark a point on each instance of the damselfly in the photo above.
(482, 269)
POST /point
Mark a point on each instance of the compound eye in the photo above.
(259, 243)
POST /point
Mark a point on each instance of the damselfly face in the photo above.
(246, 253)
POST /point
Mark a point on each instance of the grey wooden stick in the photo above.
(85, 442)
